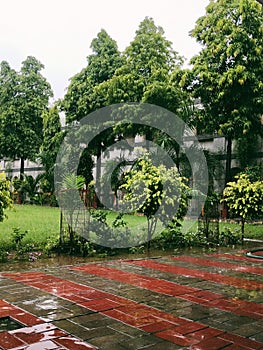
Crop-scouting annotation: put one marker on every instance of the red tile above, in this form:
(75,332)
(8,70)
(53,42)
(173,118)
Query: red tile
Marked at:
(138,312)
(130,320)
(236,257)
(205,333)
(238,340)
(140,322)
(33,337)
(173,289)
(220,264)
(207,295)
(9,341)
(74,298)
(133,306)
(3,303)
(224,304)
(100,304)
(26,318)
(72,343)
(157,327)
(236,347)
(7,311)
(211,344)
(117,315)
(92,294)
(195,295)
(195,299)
(214,277)
(121,300)
(171,318)
(175,337)
(249,313)
(189,327)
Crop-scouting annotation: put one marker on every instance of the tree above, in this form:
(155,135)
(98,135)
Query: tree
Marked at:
(156,192)
(102,63)
(79,100)
(69,202)
(146,71)
(149,74)
(244,199)
(52,138)
(30,187)
(5,196)
(25,96)
(247,148)
(85,166)
(227,73)
(8,92)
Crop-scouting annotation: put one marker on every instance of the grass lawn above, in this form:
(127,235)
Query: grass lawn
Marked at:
(42,222)
(251,230)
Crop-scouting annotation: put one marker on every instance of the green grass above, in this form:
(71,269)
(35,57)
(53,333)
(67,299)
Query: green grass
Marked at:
(40,222)
(251,230)
(132,220)
(43,222)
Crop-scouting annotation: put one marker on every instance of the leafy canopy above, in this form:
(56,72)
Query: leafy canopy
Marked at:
(244,198)
(101,65)
(155,191)
(227,74)
(24,96)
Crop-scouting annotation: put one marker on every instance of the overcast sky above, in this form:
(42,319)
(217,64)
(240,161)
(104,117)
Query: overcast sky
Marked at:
(59,32)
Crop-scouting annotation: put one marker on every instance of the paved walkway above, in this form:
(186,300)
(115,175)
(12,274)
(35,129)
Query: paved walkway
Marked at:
(182,302)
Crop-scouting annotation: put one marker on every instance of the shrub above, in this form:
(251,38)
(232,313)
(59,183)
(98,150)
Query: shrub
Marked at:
(5,195)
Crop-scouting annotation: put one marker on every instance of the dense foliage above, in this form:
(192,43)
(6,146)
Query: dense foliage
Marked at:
(156,192)
(5,195)
(24,96)
(227,73)
(244,198)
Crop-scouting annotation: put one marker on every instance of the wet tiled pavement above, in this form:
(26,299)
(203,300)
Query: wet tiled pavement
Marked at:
(197,302)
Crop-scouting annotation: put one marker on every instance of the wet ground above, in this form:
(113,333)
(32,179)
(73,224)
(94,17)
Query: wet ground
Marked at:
(192,301)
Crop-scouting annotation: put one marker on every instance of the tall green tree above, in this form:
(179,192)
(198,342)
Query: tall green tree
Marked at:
(101,65)
(149,74)
(24,97)
(227,74)
(145,75)
(79,99)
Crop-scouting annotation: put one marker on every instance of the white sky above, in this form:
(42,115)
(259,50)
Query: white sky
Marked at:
(59,32)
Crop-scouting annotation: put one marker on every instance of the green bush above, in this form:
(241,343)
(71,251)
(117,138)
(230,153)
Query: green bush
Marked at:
(230,237)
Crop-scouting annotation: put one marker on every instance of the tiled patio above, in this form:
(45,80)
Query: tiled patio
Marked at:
(193,302)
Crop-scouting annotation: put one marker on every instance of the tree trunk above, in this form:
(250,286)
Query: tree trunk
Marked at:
(242,230)
(22,168)
(98,175)
(228,160)
(151,224)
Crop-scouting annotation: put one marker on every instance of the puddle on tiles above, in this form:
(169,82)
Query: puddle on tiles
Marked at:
(64,260)
(8,324)
(43,303)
